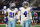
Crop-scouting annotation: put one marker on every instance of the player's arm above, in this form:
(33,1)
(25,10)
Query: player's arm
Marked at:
(18,17)
(2,11)
(30,13)
(31,17)
(18,14)
(6,14)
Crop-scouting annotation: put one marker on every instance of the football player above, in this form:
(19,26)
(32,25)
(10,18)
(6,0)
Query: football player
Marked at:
(35,18)
(11,13)
(4,12)
(25,13)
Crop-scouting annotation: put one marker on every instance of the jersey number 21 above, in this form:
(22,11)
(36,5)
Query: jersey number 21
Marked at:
(11,15)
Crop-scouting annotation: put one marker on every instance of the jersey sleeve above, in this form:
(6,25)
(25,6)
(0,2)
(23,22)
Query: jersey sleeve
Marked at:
(16,9)
(7,9)
(30,8)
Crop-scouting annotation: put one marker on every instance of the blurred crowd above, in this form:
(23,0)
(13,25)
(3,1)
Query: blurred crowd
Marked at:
(18,3)
(7,3)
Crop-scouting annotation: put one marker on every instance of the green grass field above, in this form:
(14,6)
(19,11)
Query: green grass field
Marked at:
(5,25)
(20,26)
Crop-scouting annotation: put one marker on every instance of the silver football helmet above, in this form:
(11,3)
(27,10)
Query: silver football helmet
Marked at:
(25,4)
(4,7)
(12,5)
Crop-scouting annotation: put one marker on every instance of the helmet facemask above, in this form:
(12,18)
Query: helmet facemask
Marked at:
(25,5)
(12,8)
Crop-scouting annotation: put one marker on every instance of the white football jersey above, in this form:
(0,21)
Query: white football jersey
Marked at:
(11,14)
(25,13)
(4,11)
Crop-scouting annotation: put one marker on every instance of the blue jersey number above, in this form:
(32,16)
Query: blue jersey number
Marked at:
(25,13)
(11,15)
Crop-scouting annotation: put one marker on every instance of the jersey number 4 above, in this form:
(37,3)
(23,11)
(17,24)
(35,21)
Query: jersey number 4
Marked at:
(11,15)
(25,13)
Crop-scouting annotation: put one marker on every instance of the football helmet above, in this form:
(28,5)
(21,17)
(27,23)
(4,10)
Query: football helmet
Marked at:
(4,7)
(12,6)
(25,4)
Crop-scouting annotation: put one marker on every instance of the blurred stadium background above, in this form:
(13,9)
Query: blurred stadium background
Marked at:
(35,4)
